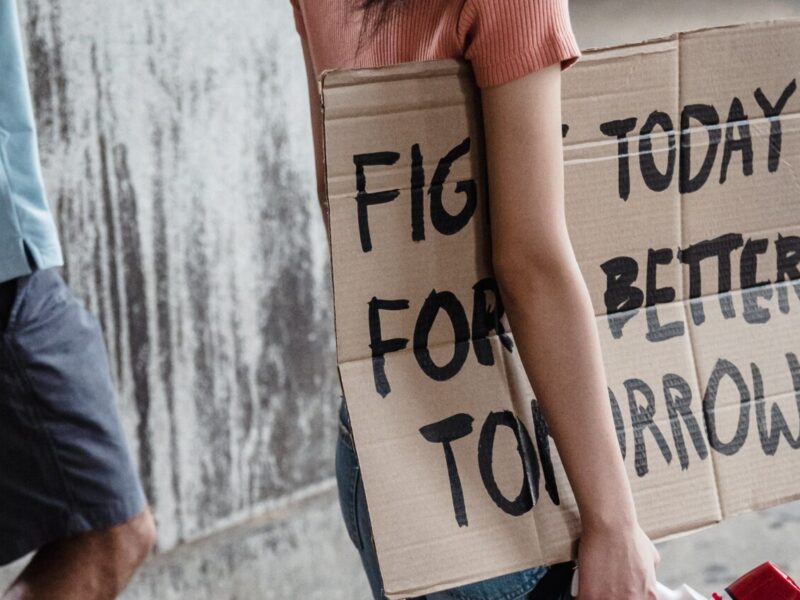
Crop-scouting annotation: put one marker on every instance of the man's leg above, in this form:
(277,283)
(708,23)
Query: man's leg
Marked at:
(91,566)
(68,485)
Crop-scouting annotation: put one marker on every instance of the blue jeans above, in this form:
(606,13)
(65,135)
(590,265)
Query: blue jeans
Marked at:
(523,585)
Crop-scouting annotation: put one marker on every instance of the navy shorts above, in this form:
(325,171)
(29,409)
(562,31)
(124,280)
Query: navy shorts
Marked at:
(64,465)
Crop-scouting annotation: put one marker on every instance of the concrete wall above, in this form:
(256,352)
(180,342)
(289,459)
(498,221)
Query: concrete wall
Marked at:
(176,149)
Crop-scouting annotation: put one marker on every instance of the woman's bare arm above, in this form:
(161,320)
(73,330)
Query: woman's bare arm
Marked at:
(551,315)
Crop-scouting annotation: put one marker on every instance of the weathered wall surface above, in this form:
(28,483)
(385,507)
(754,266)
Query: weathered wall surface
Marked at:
(176,148)
(176,151)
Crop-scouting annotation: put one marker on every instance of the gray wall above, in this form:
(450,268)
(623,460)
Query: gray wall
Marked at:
(175,146)
(176,149)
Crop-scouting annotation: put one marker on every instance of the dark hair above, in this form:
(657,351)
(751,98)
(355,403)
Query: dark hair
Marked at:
(378,10)
(376,13)
(383,5)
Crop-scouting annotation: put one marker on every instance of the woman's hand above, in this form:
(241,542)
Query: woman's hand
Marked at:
(617,563)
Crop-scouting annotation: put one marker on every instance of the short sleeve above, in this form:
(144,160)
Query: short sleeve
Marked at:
(298,18)
(507,39)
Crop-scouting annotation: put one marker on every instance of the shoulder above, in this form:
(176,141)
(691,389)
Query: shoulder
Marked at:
(506,40)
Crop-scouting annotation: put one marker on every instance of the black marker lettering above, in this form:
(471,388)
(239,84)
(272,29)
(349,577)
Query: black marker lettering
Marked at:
(770,436)
(417,194)
(721,369)
(678,395)
(653,178)
(707,115)
(788,251)
(641,418)
(486,319)
(378,345)
(620,129)
(721,248)
(435,302)
(772,113)
(737,119)
(366,199)
(530,466)
(443,221)
(619,424)
(542,433)
(656,332)
(446,432)
(752,290)
(621,295)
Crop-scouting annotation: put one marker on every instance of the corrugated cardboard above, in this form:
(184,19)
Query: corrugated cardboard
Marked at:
(694,274)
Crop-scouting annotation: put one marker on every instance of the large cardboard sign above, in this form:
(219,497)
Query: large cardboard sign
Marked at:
(682,163)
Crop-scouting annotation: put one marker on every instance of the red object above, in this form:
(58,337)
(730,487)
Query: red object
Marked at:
(765,582)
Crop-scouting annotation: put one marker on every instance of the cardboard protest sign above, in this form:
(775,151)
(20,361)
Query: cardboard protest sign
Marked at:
(682,159)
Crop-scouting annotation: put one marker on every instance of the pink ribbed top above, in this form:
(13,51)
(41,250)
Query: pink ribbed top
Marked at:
(503,39)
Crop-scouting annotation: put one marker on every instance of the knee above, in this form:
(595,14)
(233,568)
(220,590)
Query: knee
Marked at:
(127,546)
(137,537)
(100,562)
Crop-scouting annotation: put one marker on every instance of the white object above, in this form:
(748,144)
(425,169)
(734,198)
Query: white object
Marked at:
(664,593)
(682,593)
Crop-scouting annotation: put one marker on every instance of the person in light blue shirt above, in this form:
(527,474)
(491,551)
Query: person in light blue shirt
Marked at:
(28,237)
(69,490)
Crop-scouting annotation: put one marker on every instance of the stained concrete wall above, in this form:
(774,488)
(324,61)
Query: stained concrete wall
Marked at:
(174,141)
(176,150)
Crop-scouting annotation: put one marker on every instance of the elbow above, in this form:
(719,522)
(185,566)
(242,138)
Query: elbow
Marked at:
(527,269)
(514,276)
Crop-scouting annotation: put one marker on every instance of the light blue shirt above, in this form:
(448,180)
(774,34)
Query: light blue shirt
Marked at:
(28,235)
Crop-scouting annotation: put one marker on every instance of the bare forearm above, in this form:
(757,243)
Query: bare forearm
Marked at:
(551,315)
(553,323)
